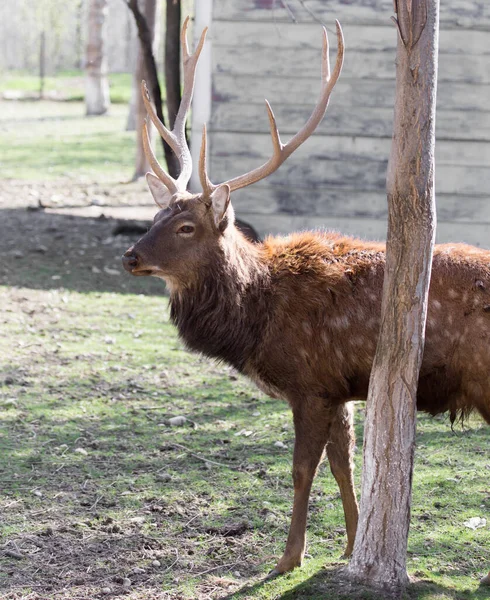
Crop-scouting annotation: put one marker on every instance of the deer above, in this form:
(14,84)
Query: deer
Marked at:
(299,314)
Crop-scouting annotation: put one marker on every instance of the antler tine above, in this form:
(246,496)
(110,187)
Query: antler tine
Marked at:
(325,57)
(282,151)
(207,185)
(155,165)
(189,63)
(176,138)
(166,134)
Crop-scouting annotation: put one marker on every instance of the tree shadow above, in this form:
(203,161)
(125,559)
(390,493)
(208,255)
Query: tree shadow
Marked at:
(330,583)
(47,251)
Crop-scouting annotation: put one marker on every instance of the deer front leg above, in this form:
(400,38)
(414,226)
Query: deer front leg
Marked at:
(340,453)
(311,427)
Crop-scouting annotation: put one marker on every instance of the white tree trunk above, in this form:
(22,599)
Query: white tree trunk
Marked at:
(97,99)
(379,557)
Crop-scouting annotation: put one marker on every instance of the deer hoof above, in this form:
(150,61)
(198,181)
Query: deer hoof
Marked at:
(272,574)
(287,563)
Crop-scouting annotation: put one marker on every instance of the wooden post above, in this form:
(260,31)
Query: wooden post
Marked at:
(379,557)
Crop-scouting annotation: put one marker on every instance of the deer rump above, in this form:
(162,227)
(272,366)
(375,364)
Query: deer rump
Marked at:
(300,315)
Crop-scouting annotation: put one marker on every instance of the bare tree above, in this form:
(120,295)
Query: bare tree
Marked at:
(42,62)
(78,35)
(150,66)
(137,111)
(172,59)
(379,557)
(97,99)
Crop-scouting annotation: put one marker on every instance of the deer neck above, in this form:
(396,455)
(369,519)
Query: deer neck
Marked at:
(222,312)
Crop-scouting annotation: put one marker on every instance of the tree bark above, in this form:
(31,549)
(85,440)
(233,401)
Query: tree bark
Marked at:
(97,99)
(172,59)
(78,36)
(173,166)
(137,112)
(379,557)
(42,63)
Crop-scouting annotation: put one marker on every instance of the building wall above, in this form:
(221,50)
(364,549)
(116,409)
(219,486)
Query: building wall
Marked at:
(337,179)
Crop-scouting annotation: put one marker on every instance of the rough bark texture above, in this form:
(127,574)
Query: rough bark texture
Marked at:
(172,59)
(137,112)
(173,167)
(97,98)
(379,556)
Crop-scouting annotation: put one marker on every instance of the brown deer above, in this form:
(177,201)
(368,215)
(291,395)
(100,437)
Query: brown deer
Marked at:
(300,314)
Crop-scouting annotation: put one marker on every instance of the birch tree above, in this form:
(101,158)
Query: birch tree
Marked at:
(379,557)
(97,98)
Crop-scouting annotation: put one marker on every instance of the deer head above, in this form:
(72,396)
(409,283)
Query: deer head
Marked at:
(190,228)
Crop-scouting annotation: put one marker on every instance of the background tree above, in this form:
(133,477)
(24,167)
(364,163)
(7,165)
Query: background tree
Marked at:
(79,35)
(172,58)
(150,66)
(150,10)
(379,556)
(97,99)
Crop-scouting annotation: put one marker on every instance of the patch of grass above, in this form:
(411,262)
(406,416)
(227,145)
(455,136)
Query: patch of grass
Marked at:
(54,139)
(93,476)
(66,85)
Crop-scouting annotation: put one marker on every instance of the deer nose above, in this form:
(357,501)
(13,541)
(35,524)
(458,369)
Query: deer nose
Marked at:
(130,260)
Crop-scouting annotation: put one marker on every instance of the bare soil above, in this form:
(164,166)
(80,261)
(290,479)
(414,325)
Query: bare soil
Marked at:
(72,235)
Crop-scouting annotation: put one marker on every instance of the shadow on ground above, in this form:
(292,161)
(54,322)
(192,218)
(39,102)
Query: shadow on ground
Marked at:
(331,584)
(48,251)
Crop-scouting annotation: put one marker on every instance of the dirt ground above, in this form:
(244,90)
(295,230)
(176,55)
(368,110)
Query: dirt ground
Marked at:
(77,232)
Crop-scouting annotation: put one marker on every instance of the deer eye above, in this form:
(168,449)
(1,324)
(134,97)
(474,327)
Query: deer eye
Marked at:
(186,229)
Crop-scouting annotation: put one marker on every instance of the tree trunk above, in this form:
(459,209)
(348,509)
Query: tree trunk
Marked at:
(97,98)
(172,59)
(379,557)
(78,36)
(137,112)
(173,166)
(42,63)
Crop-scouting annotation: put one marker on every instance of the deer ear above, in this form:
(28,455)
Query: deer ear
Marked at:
(158,190)
(220,200)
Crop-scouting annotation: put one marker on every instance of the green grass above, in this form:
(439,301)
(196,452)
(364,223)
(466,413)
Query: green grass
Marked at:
(103,372)
(67,85)
(49,140)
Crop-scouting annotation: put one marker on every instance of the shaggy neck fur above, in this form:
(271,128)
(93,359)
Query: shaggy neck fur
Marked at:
(223,313)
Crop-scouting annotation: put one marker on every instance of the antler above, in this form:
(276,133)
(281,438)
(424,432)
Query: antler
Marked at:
(176,138)
(282,151)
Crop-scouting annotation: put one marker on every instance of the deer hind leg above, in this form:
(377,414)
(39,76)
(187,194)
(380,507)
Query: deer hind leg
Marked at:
(312,425)
(340,453)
